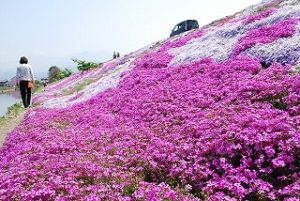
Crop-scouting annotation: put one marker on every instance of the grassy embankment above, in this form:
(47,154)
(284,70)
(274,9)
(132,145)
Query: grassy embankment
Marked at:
(13,117)
(9,121)
(6,89)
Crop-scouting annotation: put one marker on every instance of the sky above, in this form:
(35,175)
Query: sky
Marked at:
(53,32)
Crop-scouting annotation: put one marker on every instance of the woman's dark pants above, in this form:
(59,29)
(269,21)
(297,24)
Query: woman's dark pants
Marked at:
(25,93)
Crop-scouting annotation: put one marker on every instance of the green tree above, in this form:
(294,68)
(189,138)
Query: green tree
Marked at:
(84,65)
(56,73)
(53,73)
(63,74)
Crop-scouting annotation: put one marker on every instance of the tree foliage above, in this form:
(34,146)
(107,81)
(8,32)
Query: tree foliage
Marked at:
(56,73)
(53,73)
(63,74)
(83,65)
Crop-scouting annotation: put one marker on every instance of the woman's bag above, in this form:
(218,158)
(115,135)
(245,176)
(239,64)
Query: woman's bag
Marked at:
(30,85)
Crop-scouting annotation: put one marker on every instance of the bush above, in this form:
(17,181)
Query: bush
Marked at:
(84,65)
(64,74)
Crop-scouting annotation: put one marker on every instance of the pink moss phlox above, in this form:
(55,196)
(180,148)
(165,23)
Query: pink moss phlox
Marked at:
(258,16)
(161,58)
(203,130)
(266,34)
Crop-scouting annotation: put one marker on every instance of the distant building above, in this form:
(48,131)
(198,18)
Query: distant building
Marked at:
(4,83)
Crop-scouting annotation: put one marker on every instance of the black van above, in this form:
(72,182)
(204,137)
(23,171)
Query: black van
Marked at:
(184,26)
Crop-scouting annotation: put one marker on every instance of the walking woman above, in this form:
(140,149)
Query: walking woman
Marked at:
(25,80)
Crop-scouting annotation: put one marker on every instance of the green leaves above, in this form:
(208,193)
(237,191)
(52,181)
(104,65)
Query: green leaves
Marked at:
(63,74)
(84,65)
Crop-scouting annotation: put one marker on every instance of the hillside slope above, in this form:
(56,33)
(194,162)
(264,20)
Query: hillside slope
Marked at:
(212,114)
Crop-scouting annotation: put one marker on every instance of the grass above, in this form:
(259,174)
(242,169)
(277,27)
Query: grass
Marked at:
(297,69)
(38,89)
(9,121)
(13,117)
(16,109)
(83,84)
(12,111)
(78,87)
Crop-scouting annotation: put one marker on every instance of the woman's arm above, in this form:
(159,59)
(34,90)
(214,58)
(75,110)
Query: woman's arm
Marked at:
(31,74)
(18,76)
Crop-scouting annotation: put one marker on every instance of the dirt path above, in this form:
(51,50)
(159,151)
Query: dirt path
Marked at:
(8,123)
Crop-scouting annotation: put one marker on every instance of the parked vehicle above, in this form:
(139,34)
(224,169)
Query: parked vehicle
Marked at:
(184,26)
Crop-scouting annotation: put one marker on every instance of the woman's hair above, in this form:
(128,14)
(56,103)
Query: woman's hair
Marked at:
(23,60)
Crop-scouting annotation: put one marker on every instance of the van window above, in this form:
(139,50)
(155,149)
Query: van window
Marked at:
(180,26)
(184,26)
(175,28)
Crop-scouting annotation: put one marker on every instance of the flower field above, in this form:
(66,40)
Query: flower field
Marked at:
(212,114)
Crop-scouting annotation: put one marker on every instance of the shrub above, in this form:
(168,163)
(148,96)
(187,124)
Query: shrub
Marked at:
(83,65)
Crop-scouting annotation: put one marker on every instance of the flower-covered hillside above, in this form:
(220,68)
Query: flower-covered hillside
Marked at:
(212,114)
